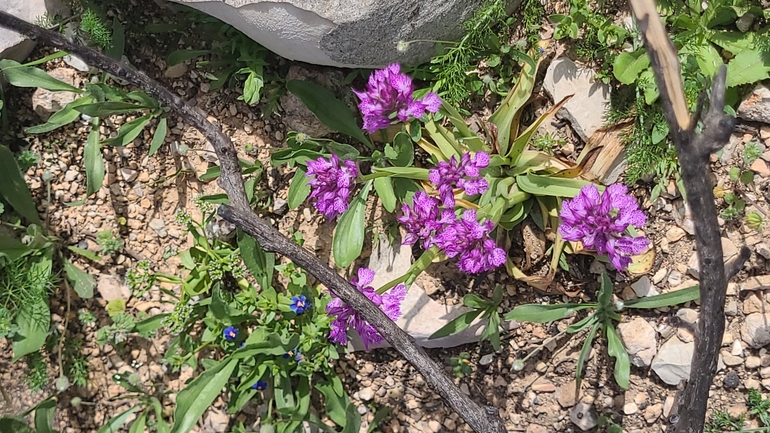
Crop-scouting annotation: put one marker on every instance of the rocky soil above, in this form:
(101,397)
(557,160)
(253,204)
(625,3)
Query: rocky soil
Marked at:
(141,194)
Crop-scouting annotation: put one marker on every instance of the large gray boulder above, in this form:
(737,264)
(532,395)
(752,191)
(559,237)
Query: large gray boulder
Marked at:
(345,33)
(13,45)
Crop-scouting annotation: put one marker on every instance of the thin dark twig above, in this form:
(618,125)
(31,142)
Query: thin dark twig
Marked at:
(693,150)
(481,419)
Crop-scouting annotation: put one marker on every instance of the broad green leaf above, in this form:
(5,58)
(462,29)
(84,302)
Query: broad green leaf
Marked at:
(330,111)
(582,324)
(12,248)
(584,351)
(150,324)
(160,134)
(299,189)
(749,66)
(545,313)
(342,150)
(616,350)
(539,185)
(457,324)
(27,76)
(492,331)
(709,60)
(353,420)
(108,108)
(14,425)
(13,188)
(605,291)
(628,66)
(474,301)
(384,188)
(253,85)
(65,116)
(193,401)
(381,414)
(401,153)
(515,101)
(44,412)
(415,173)
(518,145)
(115,424)
(283,395)
(139,425)
(334,402)
(180,56)
(446,142)
(129,131)
(118,40)
(666,299)
(467,137)
(351,230)
(92,158)
(82,282)
(260,263)
(34,319)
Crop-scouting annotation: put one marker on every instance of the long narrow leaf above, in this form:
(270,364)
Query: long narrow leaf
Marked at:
(457,324)
(521,141)
(349,236)
(545,313)
(515,101)
(92,158)
(27,76)
(14,189)
(616,350)
(584,351)
(115,423)
(160,134)
(193,401)
(666,299)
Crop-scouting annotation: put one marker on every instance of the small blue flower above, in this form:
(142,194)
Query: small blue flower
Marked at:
(230,333)
(299,304)
(261,385)
(293,353)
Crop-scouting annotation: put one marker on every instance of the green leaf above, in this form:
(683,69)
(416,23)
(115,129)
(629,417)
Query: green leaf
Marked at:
(118,40)
(14,425)
(401,153)
(545,313)
(107,108)
(65,116)
(34,319)
(492,331)
(115,423)
(584,351)
(160,134)
(180,56)
(474,301)
(139,425)
(260,264)
(13,188)
(467,137)
(384,188)
(150,324)
(92,158)
(129,131)
(457,324)
(299,189)
(351,229)
(503,118)
(193,401)
(628,66)
(659,132)
(253,85)
(747,67)
(539,185)
(27,76)
(415,173)
(582,324)
(82,282)
(616,350)
(330,111)
(666,299)
(44,412)
(353,419)
(12,248)
(335,399)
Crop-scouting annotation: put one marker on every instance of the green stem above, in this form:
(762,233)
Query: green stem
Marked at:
(393,283)
(373,176)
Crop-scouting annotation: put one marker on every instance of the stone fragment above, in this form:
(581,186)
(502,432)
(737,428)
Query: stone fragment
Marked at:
(112,287)
(732,380)
(71,175)
(14,45)
(159,227)
(760,167)
(347,33)
(45,102)
(630,408)
(659,276)
(585,110)
(216,421)
(653,412)
(128,175)
(672,363)
(566,394)
(643,287)
(756,330)
(297,116)
(761,282)
(542,385)
(366,394)
(756,106)
(674,234)
(640,340)
(753,362)
(731,360)
(583,416)
(728,252)
(687,315)
(176,71)
(737,348)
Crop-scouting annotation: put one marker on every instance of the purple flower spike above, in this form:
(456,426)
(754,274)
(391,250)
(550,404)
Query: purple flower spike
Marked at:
(424,219)
(331,185)
(469,239)
(389,303)
(389,93)
(598,221)
(464,174)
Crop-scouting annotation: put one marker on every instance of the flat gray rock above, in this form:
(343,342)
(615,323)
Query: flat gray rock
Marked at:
(13,45)
(756,330)
(585,111)
(640,341)
(756,106)
(672,364)
(345,33)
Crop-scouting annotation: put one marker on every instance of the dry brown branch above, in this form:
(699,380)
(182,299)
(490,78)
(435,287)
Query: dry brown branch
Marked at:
(481,419)
(693,150)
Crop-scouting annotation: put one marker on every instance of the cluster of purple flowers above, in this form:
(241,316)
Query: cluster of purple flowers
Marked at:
(599,222)
(331,184)
(388,95)
(347,317)
(433,222)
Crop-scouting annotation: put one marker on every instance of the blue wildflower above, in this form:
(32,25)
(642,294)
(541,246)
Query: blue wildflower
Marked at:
(261,385)
(299,304)
(230,333)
